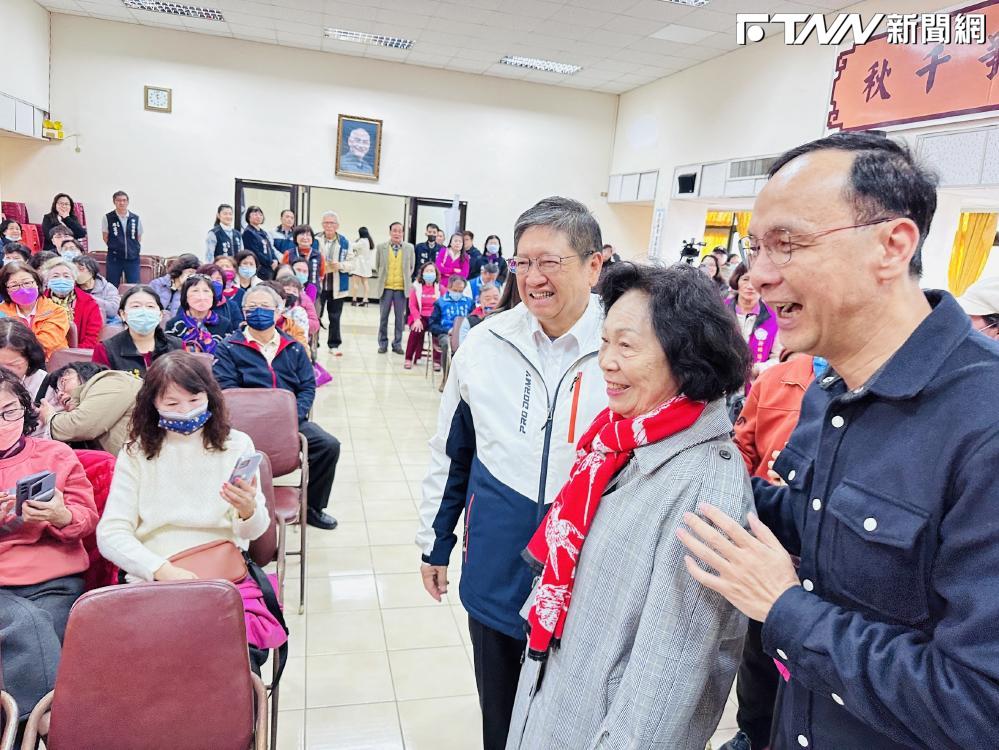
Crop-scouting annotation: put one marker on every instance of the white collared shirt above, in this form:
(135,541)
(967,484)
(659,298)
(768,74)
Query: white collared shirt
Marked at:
(557,356)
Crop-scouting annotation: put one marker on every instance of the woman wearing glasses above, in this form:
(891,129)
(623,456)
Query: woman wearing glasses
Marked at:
(20,290)
(756,321)
(42,558)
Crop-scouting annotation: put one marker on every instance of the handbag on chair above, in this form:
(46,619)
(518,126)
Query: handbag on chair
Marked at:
(217,559)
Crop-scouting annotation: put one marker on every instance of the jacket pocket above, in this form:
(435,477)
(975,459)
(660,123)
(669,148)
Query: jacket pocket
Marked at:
(794,468)
(878,552)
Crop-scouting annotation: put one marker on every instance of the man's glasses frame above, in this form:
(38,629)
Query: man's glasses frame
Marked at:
(779,244)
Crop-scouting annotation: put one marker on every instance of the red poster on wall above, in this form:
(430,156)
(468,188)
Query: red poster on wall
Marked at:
(884,83)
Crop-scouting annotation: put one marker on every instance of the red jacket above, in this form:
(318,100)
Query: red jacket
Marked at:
(771,412)
(38,552)
(88,318)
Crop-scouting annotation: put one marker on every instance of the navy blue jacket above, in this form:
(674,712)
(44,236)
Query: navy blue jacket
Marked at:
(892,502)
(258,242)
(240,364)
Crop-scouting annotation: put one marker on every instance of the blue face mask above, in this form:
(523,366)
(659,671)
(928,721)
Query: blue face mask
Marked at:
(819,366)
(260,318)
(302,277)
(185,424)
(72,254)
(246,272)
(62,287)
(429,278)
(455,296)
(217,288)
(142,321)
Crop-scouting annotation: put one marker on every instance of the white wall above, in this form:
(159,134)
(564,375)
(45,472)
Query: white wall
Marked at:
(264,112)
(24,72)
(760,99)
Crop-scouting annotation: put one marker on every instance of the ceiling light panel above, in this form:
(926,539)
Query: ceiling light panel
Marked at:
(362,37)
(175,9)
(534,63)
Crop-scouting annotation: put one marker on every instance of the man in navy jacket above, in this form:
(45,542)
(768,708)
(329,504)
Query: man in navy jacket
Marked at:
(889,627)
(263,357)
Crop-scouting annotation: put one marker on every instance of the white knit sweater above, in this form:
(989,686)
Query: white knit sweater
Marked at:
(158,508)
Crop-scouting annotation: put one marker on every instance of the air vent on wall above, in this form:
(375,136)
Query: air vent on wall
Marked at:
(750,168)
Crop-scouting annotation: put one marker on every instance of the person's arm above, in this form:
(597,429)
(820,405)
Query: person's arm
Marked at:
(116,538)
(210,243)
(78,497)
(104,228)
(138,230)
(74,225)
(306,392)
(224,368)
(446,483)
(745,429)
(414,303)
(103,407)
(868,663)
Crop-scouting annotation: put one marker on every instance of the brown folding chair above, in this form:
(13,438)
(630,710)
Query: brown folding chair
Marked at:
(73,336)
(108,330)
(154,665)
(263,551)
(62,357)
(124,287)
(270,417)
(8,716)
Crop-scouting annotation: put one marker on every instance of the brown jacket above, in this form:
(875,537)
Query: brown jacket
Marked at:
(103,408)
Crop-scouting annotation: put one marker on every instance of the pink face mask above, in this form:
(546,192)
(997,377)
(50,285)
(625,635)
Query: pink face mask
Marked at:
(24,296)
(10,433)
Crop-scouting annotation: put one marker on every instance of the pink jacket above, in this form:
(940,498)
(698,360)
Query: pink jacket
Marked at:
(429,295)
(448,266)
(310,309)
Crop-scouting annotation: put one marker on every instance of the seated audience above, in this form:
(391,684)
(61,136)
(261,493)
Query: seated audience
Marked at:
(57,237)
(168,286)
(42,558)
(262,357)
(246,270)
(199,324)
(659,451)
(97,406)
(300,270)
(70,250)
(40,258)
(143,341)
(61,215)
(10,231)
(223,239)
(16,251)
(489,299)
(423,295)
(20,287)
(293,286)
(21,353)
(293,320)
(60,280)
(488,275)
(447,309)
(257,240)
(105,294)
(229,312)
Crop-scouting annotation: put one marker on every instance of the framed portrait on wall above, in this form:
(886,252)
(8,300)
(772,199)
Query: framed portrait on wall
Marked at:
(358,147)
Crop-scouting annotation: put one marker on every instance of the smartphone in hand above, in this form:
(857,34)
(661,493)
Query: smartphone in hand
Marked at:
(246,467)
(38,488)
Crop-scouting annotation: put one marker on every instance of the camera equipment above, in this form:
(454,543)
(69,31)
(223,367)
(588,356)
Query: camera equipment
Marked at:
(690,252)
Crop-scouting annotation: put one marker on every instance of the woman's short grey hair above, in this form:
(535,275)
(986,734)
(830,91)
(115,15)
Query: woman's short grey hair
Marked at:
(331,215)
(562,215)
(53,262)
(262,289)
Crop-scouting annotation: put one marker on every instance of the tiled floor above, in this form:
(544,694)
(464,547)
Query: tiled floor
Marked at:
(375,663)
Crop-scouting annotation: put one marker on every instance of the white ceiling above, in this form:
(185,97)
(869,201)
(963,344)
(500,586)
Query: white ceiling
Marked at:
(618,43)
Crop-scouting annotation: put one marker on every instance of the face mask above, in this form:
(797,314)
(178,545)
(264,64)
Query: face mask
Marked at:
(487,310)
(71,254)
(217,288)
(819,366)
(260,318)
(185,424)
(142,321)
(492,248)
(246,272)
(62,287)
(302,277)
(25,296)
(291,300)
(455,296)
(228,276)
(429,278)
(10,433)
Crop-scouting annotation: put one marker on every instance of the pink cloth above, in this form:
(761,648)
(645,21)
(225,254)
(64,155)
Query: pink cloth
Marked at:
(310,309)
(448,266)
(421,302)
(262,628)
(783,671)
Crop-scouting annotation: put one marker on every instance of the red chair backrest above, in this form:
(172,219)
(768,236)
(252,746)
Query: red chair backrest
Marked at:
(31,237)
(62,357)
(16,211)
(108,330)
(263,549)
(81,215)
(73,337)
(270,417)
(99,467)
(157,666)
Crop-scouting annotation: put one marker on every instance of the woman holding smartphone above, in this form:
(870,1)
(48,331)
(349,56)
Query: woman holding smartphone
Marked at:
(42,559)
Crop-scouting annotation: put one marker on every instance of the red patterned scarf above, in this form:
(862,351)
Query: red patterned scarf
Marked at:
(602,452)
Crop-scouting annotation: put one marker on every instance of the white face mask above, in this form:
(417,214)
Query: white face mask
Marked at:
(197,411)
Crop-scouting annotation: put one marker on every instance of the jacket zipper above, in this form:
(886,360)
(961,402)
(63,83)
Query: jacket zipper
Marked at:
(574,389)
(468,523)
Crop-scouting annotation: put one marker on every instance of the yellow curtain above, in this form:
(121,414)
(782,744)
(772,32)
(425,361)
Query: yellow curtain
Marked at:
(716,230)
(742,222)
(972,243)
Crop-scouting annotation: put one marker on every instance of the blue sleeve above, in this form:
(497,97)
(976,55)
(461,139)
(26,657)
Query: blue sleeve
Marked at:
(774,508)
(224,368)
(306,393)
(460,448)
(937,689)
(436,317)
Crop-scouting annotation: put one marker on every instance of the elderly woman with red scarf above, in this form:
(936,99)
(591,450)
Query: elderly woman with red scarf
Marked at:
(625,648)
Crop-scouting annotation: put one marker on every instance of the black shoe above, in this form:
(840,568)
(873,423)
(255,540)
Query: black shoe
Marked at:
(397,350)
(382,349)
(739,742)
(319,519)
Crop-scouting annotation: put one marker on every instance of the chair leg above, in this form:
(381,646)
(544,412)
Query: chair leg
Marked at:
(282,557)
(301,568)
(275,690)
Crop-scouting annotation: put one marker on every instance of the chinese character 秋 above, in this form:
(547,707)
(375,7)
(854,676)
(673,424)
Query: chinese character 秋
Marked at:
(930,69)
(936,28)
(991,58)
(875,81)
(969,28)
(901,28)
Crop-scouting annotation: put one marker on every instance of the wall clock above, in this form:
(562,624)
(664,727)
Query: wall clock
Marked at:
(158,99)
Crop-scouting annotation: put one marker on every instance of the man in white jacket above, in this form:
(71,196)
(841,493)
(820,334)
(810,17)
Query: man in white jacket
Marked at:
(504,445)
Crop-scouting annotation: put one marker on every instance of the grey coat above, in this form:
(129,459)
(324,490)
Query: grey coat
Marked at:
(648,655)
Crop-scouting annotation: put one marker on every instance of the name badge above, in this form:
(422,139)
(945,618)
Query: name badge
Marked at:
(760,334)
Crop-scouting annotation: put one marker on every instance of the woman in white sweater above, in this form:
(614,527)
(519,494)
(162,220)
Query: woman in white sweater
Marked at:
(171,490)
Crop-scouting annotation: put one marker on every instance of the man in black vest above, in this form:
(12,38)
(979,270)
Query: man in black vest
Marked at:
(426,252)
(122,232)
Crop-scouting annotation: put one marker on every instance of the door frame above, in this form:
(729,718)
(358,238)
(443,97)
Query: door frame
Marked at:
(415,202)
(241,185)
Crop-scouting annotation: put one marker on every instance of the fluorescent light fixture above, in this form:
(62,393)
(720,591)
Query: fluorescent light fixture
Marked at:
(175,9)
(534,63)
(691,3)
(362,37)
